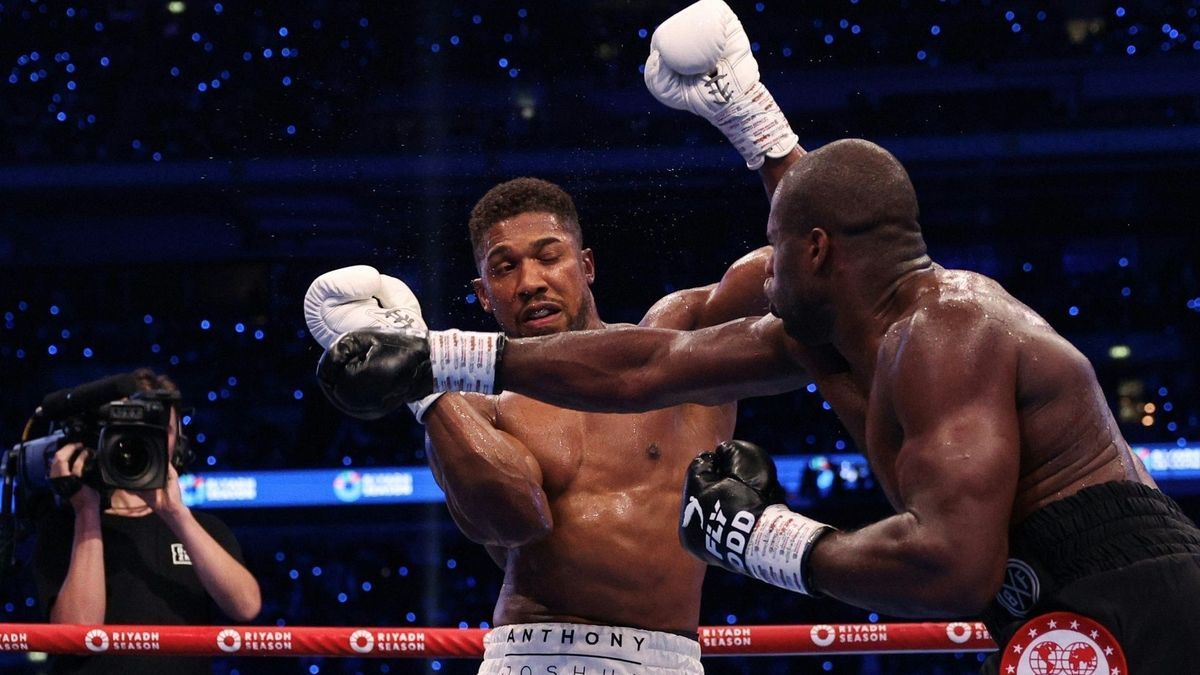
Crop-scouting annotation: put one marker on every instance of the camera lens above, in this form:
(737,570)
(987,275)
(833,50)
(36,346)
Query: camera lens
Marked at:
(129,456)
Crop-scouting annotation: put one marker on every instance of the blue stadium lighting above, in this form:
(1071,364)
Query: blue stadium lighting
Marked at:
(200,438)
(279,556)
(65,334)
(34,56)
(1168,406)
(347,461)
(1120,11)
(363,23)
(22,305)
(231,381)
(13,79)
(342,598)
(454,40)
(33,77)
(522,13)
(410,617)
(210,460)
(20,353)
(1123,262)
(484,624)
(88,353)
(403,571)
(1009,15)
(366,586)
(436,665)
(283,31)
(1041,15)
(787,52)
(1171,426)
(71,12)
(873,617)
(155,348)
(855,29)
(258,334)
(828,39)
(291,131)
(286,80)
(196,37)
(451,563)
(730,619)
(52,350)
(203,86)
(1073,310)
(246,56)
(314,669)
(840,444)
(1162,391)
(212,396)
(174,71)
(435,48)
(503,62)
(463,625)
(1016,28)
(316,570)
(297,394)
(1131,50)
(1181,442)
(61,117)
(174,360)
(513,72)
(642,33)
(844,24)
(1126,292)
(205,324)
(9,607)
(935,30)
(267,53)
(218,8)
(921,55)
(759,7)
(215,84)
(508,37)
(70,85)
(316,24)
(1166,28)
(54,310)
(825,405)
(477,19)
(29,602)
(285,52)
(754,46)
(239,327)
(187,419)
(811,388)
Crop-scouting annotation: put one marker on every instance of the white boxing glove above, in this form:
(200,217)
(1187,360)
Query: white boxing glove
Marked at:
(700,61)
(357,297)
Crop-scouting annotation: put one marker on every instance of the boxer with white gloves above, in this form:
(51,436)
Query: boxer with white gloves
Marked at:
(359,297)
(701,61)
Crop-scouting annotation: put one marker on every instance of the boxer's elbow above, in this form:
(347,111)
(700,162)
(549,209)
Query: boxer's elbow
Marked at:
(950,583)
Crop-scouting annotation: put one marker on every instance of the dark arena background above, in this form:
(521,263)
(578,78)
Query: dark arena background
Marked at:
(174,174)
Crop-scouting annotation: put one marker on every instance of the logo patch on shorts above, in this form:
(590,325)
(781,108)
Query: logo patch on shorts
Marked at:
(1021,588)
(1063,643)
(179,555)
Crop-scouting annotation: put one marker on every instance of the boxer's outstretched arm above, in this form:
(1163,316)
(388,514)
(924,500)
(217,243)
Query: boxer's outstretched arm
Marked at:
(636,369)
(954,396)
(739,294)
(493,484)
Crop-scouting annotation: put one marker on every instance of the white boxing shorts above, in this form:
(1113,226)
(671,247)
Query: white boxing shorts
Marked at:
(583,649)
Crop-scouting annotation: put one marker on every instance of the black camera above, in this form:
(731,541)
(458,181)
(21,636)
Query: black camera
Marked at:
(129,436)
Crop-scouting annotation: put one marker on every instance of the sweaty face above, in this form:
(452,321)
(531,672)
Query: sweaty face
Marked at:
(535,279)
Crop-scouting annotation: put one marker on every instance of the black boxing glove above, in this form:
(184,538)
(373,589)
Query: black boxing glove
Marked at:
(734,517)
(368,373)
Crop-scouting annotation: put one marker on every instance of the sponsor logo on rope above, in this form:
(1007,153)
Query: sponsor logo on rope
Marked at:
(726,637)
(961,633)
(365,641)
(229,640)
(1063,643)
(14,642)
(362,641)
(96,640)
(1021,588)
(824,635)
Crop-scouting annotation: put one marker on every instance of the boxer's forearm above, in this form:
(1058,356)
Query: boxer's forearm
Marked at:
(637,369)
(898,567)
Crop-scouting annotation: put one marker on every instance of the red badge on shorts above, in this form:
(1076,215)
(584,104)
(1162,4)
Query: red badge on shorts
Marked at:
(1063,643)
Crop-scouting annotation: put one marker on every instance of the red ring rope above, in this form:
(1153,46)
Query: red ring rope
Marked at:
(380,642)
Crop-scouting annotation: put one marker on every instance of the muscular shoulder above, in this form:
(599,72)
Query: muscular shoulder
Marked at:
(949,331)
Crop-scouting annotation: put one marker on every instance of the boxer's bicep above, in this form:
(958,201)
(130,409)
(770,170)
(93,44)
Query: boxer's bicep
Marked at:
(954,393)
(738,294)
(493,483)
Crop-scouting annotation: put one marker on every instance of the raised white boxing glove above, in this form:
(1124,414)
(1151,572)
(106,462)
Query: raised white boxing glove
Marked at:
(356,297)
(700,61)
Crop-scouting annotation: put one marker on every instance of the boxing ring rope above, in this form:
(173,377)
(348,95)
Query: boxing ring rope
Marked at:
(416,642)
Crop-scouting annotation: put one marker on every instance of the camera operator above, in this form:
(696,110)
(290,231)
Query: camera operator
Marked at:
(137,557)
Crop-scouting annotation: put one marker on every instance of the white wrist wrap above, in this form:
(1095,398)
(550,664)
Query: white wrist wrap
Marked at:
(463,361)
(779,547)
(754,124)
(419,408)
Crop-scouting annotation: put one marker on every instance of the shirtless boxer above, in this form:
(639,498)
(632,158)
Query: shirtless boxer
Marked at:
(1016,496)
(579,509)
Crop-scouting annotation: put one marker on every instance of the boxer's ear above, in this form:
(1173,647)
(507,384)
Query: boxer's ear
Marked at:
(481,294)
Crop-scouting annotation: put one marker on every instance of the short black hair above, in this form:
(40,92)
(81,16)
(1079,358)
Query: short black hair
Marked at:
(517,196)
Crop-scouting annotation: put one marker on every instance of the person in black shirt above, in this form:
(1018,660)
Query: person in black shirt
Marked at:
(116,563)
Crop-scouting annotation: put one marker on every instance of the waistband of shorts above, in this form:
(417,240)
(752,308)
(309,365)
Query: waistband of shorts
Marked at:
(655,648)
(1104,527)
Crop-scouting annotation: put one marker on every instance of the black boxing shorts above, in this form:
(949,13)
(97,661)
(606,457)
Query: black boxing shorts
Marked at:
(1104,582)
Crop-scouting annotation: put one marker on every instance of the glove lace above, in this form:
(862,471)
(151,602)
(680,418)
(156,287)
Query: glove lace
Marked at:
(719,87)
